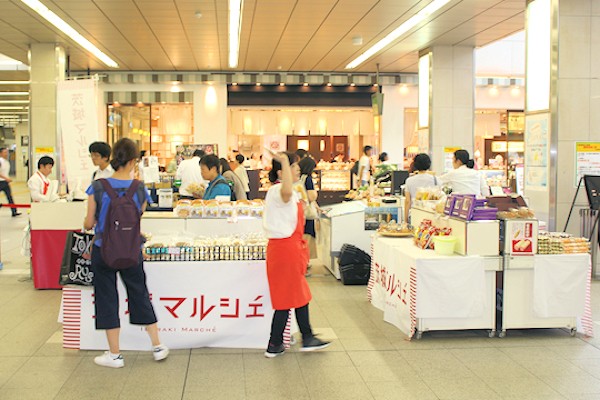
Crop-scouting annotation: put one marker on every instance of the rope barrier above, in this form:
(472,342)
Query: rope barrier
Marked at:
(15,205)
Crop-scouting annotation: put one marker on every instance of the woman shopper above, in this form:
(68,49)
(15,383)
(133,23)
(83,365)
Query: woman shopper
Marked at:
(463,178)
(287,256)
(124,158)
(308,191)
(238,187)
(420,179)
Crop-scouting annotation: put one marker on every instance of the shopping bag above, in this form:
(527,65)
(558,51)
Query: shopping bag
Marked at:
(76,266)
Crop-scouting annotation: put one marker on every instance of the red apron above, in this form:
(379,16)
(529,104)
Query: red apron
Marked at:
(287,260)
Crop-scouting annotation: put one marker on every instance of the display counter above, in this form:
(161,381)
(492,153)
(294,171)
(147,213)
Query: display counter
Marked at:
(167,221)
(420,291)
(198,304)
(50,223)
(547,291)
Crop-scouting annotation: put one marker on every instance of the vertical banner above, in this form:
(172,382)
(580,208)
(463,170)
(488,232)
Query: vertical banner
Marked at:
(537,151)
(78,123)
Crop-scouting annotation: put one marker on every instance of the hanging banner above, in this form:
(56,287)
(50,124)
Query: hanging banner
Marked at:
(537,151)
(77,107)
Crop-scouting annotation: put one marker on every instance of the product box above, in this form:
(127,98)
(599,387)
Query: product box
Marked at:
(520,236)
(449,207)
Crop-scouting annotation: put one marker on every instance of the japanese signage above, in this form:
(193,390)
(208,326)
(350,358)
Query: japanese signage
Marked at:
(78,119)
(204,304)
(537,151)
(587,159)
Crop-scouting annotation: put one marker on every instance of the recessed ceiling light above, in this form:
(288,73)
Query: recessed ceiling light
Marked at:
(353,84)
(67,29)
(305,84)
(281,83)
(198,14)
(399,31)
(329,84)
(233,83)
(258,83)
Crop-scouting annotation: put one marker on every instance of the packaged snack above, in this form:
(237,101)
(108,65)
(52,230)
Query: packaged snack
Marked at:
(183,208)
(211,209)
(243,208)
(225,209)
(197,209)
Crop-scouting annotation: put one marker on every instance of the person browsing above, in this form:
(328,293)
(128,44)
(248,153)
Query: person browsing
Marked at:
(189,172)
(241,172)
(420,179)
(228,174)
(218,186)
(5,179)
(287,256)
(463,178)
(39,184)
(364,166)
(100,155)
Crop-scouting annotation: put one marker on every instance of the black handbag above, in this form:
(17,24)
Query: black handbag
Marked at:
(76,265)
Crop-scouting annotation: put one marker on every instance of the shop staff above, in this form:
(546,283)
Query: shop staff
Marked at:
(420,179)
(241,172)
(218,186)
(287,256)
(100,155)
(5,180)
(39,184)
(463,178)
(364,166)
(189,172)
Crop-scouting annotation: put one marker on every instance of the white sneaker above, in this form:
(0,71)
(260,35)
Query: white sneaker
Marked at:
(106,360)
(160,352)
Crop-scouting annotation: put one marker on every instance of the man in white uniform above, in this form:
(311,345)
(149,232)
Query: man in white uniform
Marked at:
(189,172)
(364,166)
(5,179)
(39,184)
(100,155)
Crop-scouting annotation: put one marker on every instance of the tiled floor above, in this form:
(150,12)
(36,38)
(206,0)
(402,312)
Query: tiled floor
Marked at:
(369,359)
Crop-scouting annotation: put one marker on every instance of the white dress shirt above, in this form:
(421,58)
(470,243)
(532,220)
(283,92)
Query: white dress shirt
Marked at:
(365,163)
(241,173)
(104,173)
(280,219)
(466,180)
(39,188)
(189,172)
(4,168)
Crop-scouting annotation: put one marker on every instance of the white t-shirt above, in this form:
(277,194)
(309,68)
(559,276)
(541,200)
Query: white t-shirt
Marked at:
(466,180)
(4,168)
(419,181)
(104,173)
(365,162)
(241,172)
(189,172)
(280,219)
(36,187)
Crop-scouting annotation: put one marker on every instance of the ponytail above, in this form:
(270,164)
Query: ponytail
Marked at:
(470,163)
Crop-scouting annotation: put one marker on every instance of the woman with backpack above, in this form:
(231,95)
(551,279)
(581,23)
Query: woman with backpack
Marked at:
(110,257)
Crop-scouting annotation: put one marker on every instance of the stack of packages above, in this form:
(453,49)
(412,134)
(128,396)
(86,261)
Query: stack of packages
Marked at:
(426,232)
(561,243)
(469,208)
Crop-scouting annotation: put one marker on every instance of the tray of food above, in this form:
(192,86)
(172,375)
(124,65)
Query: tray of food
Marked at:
(393,229)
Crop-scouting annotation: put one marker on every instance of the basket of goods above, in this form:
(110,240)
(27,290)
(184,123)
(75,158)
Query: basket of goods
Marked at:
(393,229)
(517,213)
(183,208)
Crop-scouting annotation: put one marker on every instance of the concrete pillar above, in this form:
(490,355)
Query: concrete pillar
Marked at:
(47,68)
(451,101)
(210,116)
(396,99)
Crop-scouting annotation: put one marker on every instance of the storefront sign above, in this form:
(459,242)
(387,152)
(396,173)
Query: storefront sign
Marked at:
(77,109)
(537,151)
(198,304)
(587,159)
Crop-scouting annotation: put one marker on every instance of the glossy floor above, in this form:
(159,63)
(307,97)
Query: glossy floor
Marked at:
(369,359)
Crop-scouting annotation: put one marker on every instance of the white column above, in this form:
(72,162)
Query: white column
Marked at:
(395,100)
(210,116)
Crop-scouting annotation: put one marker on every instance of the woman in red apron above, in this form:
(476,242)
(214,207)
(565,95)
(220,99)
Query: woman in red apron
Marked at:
(287,256)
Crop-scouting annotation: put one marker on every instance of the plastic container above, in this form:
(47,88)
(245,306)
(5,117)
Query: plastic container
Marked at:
(444,245)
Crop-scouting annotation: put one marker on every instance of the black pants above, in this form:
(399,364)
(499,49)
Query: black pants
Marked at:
(5,187)
(280,318)
(106,296)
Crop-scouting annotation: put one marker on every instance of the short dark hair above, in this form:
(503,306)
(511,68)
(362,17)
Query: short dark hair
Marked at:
(240,158)
(301,153)
(422,162)
(211,161)
(224,165)
(142,153)
(199,153)
(382,156)
(123,151)
(367,148)
(101,148)
(45,161)
(3,148)
(464,158)
(277,167)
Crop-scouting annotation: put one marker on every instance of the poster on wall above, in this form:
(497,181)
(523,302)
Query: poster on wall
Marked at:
(275,143)
(184,151)
(77,108)
(449,157)
(587,160)
(537,151)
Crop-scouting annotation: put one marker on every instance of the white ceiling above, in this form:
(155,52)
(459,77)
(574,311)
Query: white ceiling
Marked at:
(277,35)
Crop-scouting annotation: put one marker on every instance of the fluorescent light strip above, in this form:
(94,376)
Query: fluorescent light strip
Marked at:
(14,82)
(399,31)
(67,29)
(235,29)
(14,93)
(14,101)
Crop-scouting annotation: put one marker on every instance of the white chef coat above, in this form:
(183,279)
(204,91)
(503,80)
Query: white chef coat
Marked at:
(241,172)
(189,172)
(104,173)
(4,168)
(280,218)
(365,162)
(466,180)
(39,187)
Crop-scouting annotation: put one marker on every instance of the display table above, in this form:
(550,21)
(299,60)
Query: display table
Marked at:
(420,291)
(50,223)
(547,291)
(198,304)
(166,221)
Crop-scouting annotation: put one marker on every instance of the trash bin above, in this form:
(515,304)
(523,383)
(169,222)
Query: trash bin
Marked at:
(587,220)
